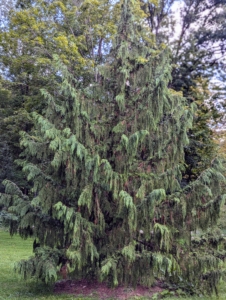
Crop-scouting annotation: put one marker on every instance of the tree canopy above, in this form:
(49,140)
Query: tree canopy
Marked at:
(106,153)
(195,32)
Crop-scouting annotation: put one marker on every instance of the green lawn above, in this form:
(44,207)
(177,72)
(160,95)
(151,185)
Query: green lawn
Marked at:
(13,249)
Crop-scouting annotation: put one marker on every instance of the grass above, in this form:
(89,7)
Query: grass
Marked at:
(13,249)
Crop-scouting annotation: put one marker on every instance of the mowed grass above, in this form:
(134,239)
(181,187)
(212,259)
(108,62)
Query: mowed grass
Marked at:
(13,249)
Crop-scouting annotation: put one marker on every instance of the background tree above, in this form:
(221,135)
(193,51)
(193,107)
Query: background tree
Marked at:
(9,132)
(195,32)
(105,163)
(31,33)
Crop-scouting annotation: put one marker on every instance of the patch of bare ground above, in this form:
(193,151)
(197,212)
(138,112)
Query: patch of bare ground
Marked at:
(102,291)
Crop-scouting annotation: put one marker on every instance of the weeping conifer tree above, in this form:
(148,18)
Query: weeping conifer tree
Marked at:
(105,162)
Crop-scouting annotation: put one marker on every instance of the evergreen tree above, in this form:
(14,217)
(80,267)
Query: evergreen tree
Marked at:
(198,52)
(9,138)
(105,162)
(31,33)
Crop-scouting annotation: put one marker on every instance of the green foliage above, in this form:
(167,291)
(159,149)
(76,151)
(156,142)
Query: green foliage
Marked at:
(13,249)
(105,164)
(9,128)
(43,266)
(30,34)
(198,51)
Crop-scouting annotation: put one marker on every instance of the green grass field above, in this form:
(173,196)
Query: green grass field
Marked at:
(13,249)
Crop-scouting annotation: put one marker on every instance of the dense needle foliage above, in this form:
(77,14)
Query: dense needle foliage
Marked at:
(105,162)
